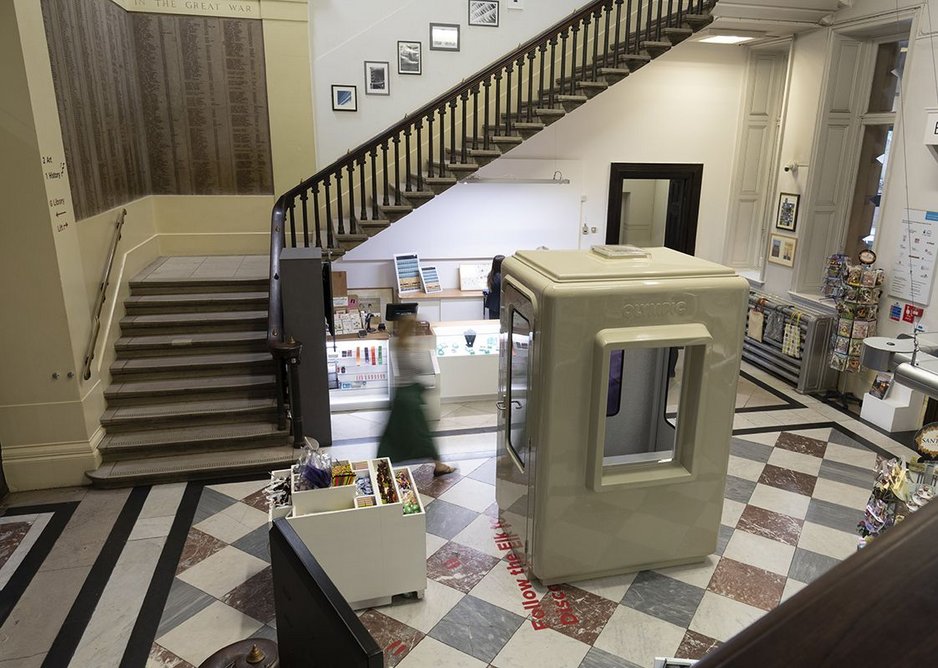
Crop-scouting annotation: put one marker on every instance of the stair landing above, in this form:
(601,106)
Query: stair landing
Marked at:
(201,267)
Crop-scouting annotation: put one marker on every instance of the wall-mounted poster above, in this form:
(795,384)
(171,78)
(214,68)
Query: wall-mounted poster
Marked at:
(787,212)
(444,37)
(473,276)
(782,250)
(409,58)
(430,279)
(407,269)
(376,78)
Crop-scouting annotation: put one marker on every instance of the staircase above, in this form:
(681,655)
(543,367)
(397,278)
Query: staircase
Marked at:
(193,389)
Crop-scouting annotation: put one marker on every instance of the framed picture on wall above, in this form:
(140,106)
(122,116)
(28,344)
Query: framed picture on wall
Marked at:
(787,212)
(409,58)
(444,37)
(344,98)
(376,78)
(483,13)
(782,250)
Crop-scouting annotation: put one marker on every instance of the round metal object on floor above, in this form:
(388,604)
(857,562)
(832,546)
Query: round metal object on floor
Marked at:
(250,653)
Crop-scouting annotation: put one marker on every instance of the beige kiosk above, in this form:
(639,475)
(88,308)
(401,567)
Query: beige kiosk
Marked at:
(617,384)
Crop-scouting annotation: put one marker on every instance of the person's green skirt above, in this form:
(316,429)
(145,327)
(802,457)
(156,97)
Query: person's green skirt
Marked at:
(407,434)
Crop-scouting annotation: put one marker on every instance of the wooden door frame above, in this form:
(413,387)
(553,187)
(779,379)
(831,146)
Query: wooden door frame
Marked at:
(685,239)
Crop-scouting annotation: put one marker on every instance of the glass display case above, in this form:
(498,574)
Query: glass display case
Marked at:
(358,372)
(467,355)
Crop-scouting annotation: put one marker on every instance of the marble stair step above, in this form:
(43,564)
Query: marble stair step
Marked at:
(189,365)
(205,465)
(188,413)
(153,391)
(165,286)
(170,323)
(181,303)
(190,344)
(190,439)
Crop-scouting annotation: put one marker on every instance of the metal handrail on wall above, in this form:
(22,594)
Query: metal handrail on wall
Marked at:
(446,136)
(102,295)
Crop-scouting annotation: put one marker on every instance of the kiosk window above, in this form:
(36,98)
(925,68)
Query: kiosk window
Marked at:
(642,405)
(519,340)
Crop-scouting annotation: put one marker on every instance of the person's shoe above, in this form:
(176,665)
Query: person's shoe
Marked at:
(443,469)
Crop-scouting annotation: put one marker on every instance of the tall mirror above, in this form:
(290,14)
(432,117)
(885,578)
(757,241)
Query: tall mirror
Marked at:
(654,204)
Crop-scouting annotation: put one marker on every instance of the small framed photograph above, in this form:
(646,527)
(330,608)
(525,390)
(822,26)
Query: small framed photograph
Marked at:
(444,37)
(409,58)
(782,250)
(376,77)
(483,13)
(344,98)
(787,212)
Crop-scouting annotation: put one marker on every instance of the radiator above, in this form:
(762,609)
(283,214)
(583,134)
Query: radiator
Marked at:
(809,374)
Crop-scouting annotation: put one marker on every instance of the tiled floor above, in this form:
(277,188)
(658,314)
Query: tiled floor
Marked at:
(164,576)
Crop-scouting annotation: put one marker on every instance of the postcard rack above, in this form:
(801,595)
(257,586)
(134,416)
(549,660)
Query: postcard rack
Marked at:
(811,372)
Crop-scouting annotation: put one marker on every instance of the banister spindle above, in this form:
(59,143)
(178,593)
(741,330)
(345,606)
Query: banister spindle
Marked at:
(292,206)
(520,63)
(374,183)
(352,227)
(464,144)
(303,197)
(498,99)
(638,26)
(670,13)
(316,219)
(430,145)
(658,24)
(608,17)
(648,23)
(615,43)
(397,170)
(576,29)
(485,121)
(408,186)
(586,39)
(540,79)
(511,67)
(551,79)
(361,187)
(384,174)
(442,111)
(596,16)
(531,82)
(419,155)
(328,198)
(475,117)
(680,13)
(338,200)
(452,130)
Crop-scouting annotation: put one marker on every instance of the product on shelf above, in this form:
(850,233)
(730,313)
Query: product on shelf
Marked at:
(411,504)
(363,483)
(278,492)
(403,480)
(385,481)
(342,474)
(364,501)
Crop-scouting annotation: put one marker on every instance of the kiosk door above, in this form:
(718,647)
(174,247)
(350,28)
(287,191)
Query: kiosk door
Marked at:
(516,450)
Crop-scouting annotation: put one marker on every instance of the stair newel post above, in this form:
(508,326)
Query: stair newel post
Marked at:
(361,187)
(419,155)
(465,99)
(338,200)
(352,227)
(408,186)
(551,79)
(288,354)
(430,145)
(618,33)
(475,117)
(397,170)
(452,131)
(520,63)
(280,367)
(442,164)
(576,29)
(531,56)
(384,172)
(328,199)
(509,70)
(374,183)
(485,125)
(596,16)
(303,197)
(290,208)
(498,99)
(316,221)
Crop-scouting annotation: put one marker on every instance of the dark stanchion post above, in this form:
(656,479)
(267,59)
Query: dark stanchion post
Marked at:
(288,355)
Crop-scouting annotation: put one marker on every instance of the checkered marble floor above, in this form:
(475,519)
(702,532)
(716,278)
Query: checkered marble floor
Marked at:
(793,498)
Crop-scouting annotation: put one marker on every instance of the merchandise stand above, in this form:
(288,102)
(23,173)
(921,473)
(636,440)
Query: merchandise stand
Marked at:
(370,552)
(358,372)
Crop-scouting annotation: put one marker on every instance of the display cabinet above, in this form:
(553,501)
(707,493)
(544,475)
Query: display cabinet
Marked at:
(359,369)
(372,546)
(467,355)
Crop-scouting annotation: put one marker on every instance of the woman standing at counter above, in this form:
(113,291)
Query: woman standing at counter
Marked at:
(493,294)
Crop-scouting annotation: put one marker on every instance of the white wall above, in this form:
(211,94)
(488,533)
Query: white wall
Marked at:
(345,34)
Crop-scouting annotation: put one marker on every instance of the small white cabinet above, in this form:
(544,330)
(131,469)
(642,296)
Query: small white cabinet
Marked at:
(370,552)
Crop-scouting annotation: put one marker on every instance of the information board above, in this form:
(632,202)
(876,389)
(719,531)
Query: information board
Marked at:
(916,251)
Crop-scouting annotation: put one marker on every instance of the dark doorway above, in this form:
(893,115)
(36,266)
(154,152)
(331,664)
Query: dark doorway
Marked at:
(671,191)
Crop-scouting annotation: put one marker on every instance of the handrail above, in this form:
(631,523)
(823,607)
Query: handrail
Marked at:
(102,294)
(274,307)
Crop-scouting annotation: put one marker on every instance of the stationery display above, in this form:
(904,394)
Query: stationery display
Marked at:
(857,299)
(430,279)
(407,270)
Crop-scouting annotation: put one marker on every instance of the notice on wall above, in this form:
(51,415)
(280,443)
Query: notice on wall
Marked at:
(916,251)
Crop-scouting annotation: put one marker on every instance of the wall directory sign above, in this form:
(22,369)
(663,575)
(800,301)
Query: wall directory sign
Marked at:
(916,249)
(407,269)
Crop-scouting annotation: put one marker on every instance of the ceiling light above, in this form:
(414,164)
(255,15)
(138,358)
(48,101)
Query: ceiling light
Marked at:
(727,39)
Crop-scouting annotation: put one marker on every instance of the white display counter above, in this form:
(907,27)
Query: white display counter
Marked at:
(370,552)
(446,305)
(359,372)
(467,372)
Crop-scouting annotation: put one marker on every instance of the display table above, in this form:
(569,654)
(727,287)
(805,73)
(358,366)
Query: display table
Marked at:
(467,372)
(446,305)
(370,552)
(358,372)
